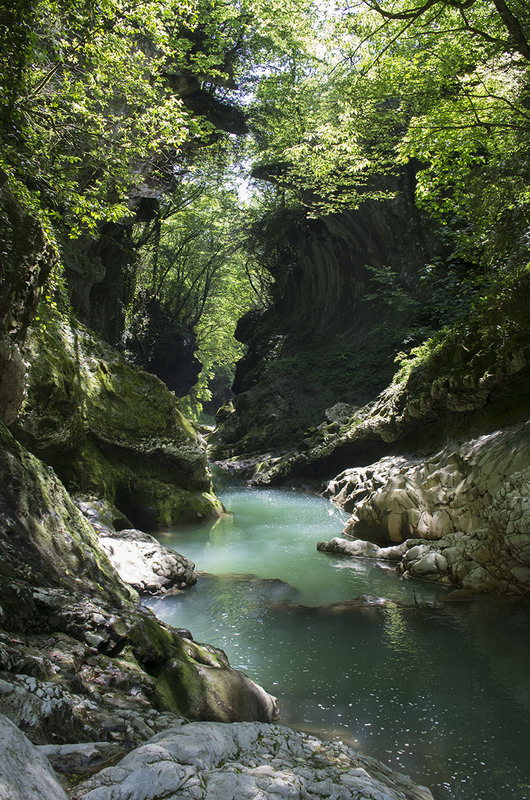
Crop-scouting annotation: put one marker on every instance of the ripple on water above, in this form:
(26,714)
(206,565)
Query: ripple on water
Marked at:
(439,693)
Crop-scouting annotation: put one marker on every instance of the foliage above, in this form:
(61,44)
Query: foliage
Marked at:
(95,113)
(93,95)
(442,84)
(498,324)
(193,266)
(88,105)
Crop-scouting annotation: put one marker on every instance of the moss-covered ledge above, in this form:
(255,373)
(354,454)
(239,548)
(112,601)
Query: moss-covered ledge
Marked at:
(111,430)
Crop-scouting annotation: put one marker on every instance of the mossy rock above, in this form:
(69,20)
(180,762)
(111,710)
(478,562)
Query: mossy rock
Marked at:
(196,680)
(113,430)
(44,539)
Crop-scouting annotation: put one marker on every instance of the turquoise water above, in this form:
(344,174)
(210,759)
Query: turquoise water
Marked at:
(440,693)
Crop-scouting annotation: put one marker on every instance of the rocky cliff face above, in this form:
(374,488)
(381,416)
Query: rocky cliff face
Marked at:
(111,430)
(473,382)
(435,471)
(328,339)
(26,260)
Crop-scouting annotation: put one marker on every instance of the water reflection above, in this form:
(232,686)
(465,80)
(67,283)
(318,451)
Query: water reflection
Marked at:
(438,692)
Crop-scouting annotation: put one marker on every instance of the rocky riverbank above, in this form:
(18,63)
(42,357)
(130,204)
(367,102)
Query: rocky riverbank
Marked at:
(201,761)
(95,685)
(460,517)
(111,430)
(436,469)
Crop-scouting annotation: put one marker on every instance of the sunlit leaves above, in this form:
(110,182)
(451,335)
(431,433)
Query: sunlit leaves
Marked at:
(444,84)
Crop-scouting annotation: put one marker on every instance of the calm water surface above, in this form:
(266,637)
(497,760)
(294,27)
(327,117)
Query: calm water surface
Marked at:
(439,693)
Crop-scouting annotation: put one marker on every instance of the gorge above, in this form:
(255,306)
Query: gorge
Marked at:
(312,223)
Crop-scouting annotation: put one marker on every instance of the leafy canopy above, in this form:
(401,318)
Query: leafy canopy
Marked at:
(93,94)
(445,84)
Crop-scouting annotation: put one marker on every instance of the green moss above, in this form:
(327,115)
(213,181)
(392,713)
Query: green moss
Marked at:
(496,332)
(43,535)
(112,430)
(178,686)
(180,689)
(151,642)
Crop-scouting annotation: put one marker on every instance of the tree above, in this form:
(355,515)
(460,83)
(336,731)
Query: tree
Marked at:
(96,97)
(444,84)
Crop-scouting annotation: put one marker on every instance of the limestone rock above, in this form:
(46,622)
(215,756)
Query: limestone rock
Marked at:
(461,516)
(38,708)
(320,340)
(139,559)
(142,561)
(102,515)
(361,549)
(115,675)
(341,608)
(341,413)
(81,759)
(25,773)
(203,761)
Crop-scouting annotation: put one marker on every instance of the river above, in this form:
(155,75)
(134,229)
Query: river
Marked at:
(440,693)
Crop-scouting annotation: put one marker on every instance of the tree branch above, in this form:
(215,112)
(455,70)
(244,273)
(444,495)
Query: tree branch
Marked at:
(514,28)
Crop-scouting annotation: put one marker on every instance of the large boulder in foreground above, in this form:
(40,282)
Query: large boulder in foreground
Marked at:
(25,773)
(197,761)
(111,430)
(249,760)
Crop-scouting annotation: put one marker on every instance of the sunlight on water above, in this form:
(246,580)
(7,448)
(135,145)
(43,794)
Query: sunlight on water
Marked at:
(440,693)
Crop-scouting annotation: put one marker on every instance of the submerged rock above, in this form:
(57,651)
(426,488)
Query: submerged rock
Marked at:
(273,587)
(248,760)
(339,608)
